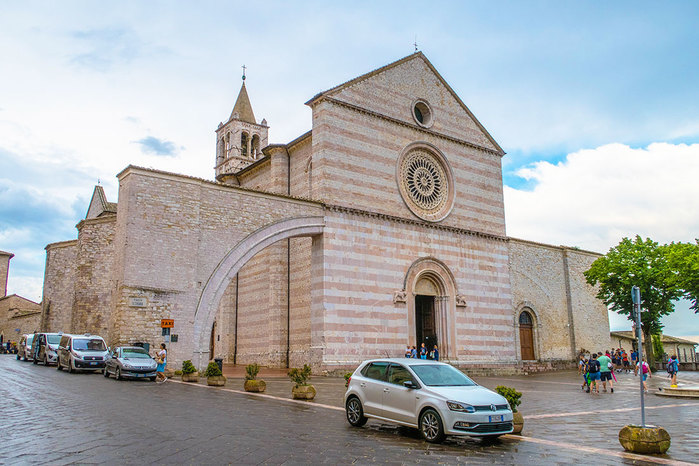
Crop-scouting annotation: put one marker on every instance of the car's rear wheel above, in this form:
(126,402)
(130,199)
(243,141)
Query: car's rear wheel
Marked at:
(431,426)
(355,412)
(117,373)
(58,364)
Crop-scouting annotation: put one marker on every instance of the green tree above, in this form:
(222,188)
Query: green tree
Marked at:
(683,259)
(642,263)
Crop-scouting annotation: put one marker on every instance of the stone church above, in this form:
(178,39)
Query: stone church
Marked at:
(382,226)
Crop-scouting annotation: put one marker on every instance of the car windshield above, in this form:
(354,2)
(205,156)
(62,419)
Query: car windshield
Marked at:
(53,339)
(88,344)
(134,353)
(30,338)
(438,375)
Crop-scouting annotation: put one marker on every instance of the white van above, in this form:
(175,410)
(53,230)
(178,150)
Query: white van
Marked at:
(82,352)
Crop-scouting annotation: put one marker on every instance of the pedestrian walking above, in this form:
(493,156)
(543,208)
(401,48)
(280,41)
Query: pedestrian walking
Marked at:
(606,368)
(645,373)
(593,373)
(584,369)
(634,361)
(413,352)
(161,359)
(435,353)
(673,367)
(423,351)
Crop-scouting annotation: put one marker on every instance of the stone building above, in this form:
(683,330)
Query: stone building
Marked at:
(382,226)
(18,315)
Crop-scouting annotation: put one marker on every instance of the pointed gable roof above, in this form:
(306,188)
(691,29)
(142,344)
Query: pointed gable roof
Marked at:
(417,55)
(243,108)
(99,205)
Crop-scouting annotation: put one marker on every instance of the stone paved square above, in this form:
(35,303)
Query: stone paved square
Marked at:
(59,418)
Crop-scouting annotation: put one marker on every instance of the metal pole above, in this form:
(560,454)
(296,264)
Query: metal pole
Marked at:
(636,298)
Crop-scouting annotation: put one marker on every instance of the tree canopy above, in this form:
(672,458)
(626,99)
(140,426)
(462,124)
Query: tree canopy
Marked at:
(641,263)
(683,259)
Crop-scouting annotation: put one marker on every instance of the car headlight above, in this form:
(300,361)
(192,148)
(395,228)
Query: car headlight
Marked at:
(461,407)
(127,365)
(77,356)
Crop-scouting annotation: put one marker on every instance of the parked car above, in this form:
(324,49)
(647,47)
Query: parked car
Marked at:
(24,347)
(130,362)
(434,397)
(44,346)
(82,352)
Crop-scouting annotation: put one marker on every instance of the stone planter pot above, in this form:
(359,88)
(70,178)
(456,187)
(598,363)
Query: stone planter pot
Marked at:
(193,377)
(216,381)
(517,422)
(649,439)
(257,386)
(303,392)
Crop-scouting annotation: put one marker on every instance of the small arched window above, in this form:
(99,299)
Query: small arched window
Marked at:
(525,318)
(244,144)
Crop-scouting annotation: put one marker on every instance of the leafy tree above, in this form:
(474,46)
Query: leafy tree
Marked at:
(641,263)
(683,259)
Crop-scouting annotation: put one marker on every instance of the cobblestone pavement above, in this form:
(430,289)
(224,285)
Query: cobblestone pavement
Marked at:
(59,418)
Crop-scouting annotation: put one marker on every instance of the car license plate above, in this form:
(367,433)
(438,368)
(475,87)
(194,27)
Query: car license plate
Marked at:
(495,418)
(140,375)
(93,363)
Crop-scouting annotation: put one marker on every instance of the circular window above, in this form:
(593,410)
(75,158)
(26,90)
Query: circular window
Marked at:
(425,183)
(422,113)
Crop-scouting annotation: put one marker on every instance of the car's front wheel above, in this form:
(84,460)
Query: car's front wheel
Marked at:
(355,412)
(117,373)
(105,372)
(431,426)
(58,364)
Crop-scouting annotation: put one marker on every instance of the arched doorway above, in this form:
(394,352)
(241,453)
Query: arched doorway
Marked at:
(212,341)
(425,320)
(526,335)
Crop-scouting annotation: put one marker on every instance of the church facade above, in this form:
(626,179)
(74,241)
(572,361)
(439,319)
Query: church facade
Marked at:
(383,226)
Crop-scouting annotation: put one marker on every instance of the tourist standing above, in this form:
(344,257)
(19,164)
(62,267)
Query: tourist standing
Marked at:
(423,351)
(161,359)
(645,373)
(413,353)
(634,361)
(408,351)
(673,367)
(435,353)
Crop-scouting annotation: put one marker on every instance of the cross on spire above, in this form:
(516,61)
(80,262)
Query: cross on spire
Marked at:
(415,43)
(244,68)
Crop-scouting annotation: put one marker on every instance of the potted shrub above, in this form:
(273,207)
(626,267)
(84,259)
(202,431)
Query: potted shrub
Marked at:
(214,376)
(347,376)
(252,383)
(189,372)
(301,389)
(513,398)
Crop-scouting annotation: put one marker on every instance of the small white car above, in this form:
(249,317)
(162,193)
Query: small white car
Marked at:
(432,396)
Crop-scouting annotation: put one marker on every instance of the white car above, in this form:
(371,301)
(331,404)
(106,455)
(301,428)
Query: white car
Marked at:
(434,397)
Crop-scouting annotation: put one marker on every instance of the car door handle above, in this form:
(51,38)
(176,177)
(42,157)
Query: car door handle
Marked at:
(363,384)
(386,390)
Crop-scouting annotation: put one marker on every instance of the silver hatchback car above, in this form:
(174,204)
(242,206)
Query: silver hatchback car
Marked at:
(434,397)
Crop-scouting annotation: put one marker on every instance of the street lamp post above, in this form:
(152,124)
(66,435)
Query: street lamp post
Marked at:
(636,298)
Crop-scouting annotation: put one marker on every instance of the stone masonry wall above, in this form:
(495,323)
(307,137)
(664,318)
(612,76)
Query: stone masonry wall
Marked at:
(18,316)
(367,259)
(93,282)
(59,286)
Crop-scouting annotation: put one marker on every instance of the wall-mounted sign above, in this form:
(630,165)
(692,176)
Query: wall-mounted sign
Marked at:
(167,323)
(138,302)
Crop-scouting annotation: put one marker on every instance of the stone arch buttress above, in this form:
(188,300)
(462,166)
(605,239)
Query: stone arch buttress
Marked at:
(233,261)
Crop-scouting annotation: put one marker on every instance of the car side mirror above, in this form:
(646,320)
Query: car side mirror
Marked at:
(409,384)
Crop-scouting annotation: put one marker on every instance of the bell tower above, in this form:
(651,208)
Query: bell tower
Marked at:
(240,140)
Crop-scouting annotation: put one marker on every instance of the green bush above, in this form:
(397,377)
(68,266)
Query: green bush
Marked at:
(188,367)
(178,372)
(511,395)
(212,370)
(347,378)
(300,376)
(251,371)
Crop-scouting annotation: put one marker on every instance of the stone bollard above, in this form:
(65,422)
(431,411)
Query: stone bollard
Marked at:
(649,439)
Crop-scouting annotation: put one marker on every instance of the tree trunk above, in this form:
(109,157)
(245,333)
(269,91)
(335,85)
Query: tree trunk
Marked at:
(648,349)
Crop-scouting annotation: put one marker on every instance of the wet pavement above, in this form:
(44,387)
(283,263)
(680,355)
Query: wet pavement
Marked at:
(59,418)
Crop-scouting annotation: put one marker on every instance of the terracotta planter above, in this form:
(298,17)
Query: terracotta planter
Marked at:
(216,381)
(517,422)
(649,439)
(256,385)
(303,392)
(193,377)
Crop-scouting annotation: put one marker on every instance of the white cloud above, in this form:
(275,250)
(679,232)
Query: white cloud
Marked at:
(595,197)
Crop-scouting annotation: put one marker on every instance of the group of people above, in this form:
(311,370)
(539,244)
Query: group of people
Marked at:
(422,353)
(599,369)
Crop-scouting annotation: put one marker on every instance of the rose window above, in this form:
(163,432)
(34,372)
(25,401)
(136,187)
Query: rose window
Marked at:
(424,184)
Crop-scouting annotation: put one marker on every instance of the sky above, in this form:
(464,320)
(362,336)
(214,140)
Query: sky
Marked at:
(595,103)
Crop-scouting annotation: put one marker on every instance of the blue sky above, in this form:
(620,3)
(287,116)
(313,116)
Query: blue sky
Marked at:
(595,103)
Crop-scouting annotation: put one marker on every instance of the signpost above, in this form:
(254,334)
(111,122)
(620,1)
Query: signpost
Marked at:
(636,298)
